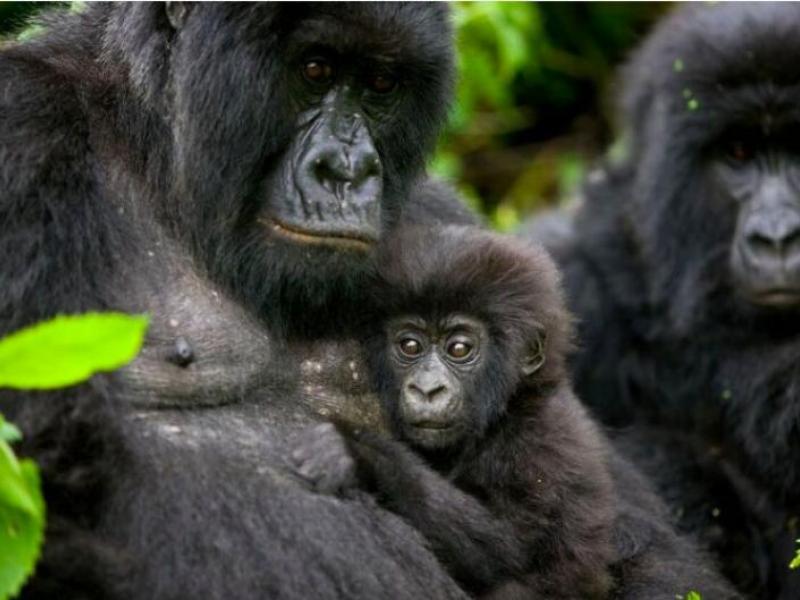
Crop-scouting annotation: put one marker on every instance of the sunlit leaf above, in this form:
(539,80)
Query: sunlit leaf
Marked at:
(69,349)
(22,516)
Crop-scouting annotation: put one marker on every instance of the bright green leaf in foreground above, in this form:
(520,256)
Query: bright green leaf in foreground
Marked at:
(21,518)
(69,349)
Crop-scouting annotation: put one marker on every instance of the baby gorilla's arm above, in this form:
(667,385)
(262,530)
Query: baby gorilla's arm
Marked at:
(478,548)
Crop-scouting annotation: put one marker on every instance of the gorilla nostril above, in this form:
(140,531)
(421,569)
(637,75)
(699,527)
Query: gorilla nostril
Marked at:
(791,242)
(437,393)
(763,245)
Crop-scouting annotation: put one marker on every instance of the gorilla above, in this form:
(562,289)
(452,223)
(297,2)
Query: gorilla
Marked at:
(468,355)
(227,169)
(683,266)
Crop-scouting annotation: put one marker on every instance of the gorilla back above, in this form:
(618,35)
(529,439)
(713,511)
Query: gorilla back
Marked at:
(227,169)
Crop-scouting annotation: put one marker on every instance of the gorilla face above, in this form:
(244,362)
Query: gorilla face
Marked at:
(331,109)
(759,175)
(713,122)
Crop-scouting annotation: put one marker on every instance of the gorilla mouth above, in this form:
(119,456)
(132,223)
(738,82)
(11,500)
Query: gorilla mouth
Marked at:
(352,240)
(777,297)
(436,425)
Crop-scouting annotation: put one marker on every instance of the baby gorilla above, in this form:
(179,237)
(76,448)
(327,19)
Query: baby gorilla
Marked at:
(494,460)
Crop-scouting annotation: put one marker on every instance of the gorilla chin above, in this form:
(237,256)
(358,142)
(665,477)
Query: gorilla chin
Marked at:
(771,283)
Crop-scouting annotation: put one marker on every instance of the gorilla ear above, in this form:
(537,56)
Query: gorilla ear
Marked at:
(534,357)
(177,13)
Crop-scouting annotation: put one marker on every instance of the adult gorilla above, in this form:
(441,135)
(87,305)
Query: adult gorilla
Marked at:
(227,169)
(684,268)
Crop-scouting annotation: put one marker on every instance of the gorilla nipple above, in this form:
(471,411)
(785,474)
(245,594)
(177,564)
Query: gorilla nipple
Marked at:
(182,353)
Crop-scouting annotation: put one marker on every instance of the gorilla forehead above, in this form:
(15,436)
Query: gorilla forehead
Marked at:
(407,32)
(740,56)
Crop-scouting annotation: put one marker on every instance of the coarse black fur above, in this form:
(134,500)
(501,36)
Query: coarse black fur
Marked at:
(531,502)
(137,147)
(703,381)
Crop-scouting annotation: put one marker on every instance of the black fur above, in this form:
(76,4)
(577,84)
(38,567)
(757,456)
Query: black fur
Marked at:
(533,503)
(704,382)
(134,152)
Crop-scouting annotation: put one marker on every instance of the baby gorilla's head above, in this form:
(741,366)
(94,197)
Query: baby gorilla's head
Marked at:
(470,321)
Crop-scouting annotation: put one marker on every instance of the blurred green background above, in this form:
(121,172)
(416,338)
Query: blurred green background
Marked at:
(532,105)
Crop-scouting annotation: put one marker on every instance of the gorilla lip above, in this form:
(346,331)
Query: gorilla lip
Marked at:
(780,298)
(304,236)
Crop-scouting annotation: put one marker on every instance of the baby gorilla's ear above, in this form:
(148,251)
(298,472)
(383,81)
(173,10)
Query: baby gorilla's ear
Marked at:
(533,358)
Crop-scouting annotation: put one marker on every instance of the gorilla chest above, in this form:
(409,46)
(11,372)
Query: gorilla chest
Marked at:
(333,381)
(205,350)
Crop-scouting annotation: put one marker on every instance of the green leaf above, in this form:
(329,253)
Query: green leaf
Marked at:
(22,516)
(8,432)
(69,349)
(795,564)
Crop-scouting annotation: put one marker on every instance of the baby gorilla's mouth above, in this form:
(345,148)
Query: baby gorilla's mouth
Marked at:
(436,425)
(352,240)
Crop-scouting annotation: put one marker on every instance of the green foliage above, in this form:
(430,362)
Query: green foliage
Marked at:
(57,353)
(795,564)
(22,514)
(69,349)
(527,115)
(690,596)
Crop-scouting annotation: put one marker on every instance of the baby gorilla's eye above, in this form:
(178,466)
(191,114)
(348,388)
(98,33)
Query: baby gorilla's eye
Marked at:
(410,347)
(383,83)
(459,350)
(318,71)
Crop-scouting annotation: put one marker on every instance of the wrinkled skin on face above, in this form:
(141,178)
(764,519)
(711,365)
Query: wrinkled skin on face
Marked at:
(757,172)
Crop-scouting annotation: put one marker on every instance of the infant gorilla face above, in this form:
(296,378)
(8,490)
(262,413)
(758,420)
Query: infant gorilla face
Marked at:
(434,363)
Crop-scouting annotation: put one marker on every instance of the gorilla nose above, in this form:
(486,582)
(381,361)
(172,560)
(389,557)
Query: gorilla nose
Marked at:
(433,393)
(774,238)
(349,165)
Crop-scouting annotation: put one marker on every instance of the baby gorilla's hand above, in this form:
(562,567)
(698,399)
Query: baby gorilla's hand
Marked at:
(321,457)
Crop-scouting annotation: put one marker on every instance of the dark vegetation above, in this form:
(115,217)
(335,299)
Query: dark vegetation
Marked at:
(683,267)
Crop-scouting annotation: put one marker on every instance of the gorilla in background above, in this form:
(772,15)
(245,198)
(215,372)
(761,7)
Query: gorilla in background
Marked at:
(226,168)
(683,266)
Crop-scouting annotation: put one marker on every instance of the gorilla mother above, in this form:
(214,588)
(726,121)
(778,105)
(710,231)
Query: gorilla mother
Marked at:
(227,169)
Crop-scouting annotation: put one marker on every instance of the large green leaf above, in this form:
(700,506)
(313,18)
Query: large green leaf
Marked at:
(69,349)
(22,515)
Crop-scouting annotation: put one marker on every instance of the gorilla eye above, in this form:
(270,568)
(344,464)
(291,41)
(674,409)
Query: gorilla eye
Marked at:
(410,347)
(459,350)
(740,151)
(318,71)
(383,84)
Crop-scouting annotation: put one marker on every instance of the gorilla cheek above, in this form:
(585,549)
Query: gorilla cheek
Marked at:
(328,187)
